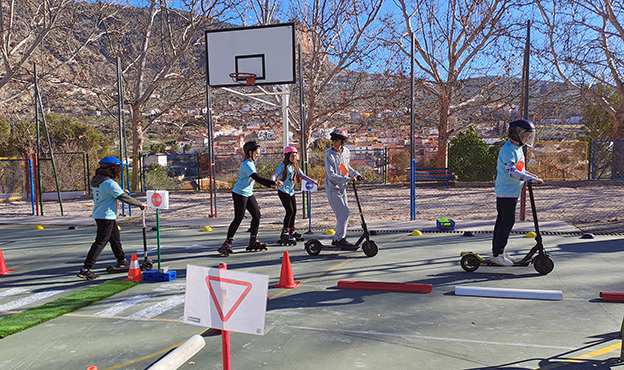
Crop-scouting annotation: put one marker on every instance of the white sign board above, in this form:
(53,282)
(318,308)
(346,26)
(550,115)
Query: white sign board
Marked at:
(308,186)
(226,300)
(157,199)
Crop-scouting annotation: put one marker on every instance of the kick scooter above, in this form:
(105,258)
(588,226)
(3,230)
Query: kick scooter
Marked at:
(147,262)
(314,246)
(541,261)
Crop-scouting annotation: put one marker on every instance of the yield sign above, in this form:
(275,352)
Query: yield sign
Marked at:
(225,299)
(216,301)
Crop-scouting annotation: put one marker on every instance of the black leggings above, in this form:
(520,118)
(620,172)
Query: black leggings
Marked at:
(506,208)
(290,205)
(107,231)
(240,204)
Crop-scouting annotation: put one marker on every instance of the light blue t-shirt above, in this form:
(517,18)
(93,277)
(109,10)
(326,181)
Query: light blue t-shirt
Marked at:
(506,186)
(105,200)
(244,185)
(289,181)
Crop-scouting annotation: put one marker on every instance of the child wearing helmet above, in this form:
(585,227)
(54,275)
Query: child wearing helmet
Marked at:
(338,175)
(510,176)
(289,172)
(244,199)
(106,193)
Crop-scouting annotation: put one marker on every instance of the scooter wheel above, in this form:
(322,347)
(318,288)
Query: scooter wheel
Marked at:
(146,266)
(543,264)
(313,247)
(110,269)
(470,262)
(370,248)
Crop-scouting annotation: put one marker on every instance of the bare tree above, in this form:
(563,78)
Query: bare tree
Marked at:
(585,45)
(161,49)
(456,42)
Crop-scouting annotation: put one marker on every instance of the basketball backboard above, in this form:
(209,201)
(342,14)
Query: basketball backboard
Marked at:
(266,51)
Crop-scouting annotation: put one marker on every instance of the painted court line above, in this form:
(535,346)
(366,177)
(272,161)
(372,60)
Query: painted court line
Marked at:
(121,306)
(12,291)
(29,300)
(414,336)
(159,308)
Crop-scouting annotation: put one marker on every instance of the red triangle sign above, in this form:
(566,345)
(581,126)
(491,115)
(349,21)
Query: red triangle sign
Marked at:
(240,299)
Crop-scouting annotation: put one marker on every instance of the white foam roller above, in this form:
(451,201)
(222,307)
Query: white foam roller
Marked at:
(552,295)
(180,355)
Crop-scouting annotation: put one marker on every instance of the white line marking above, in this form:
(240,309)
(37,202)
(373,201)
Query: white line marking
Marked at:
(28,300)
(121,306)
(159,308)
(13,291)
(414,336)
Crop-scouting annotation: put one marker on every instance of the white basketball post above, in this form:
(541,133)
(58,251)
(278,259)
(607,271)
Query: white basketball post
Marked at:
(286,89)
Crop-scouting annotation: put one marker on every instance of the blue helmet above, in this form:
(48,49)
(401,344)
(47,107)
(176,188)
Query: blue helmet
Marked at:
(109,161)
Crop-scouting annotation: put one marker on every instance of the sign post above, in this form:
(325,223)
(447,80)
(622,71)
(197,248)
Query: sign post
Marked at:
(159,199)
(309,187)
(225,300)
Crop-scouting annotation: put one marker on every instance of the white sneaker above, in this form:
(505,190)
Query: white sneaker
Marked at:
(509,258)
(501,260)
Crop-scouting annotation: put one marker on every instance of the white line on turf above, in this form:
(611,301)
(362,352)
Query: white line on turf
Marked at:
(159,308)
(123,305)
(12,291)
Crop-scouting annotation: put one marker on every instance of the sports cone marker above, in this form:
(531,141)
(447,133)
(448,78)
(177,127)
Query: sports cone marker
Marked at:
(134,274)
(3,268)
(287,280)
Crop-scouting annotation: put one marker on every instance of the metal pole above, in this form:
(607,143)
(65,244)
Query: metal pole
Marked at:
(412,134)
(211,149)
(225,338)
(304,133)
(121,130)
(525,111)
(45,125)
(38,161)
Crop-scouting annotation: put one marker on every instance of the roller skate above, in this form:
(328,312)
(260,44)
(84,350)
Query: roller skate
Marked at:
(298,237)
(256,245)
(226,248)
(286,238)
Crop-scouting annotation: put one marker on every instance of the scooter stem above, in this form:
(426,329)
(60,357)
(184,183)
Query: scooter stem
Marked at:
(538,236)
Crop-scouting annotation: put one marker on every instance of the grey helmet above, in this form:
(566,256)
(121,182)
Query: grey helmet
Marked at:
(250,146)
(517,129)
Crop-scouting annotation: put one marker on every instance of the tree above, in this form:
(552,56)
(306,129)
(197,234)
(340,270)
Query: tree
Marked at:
(470,157)
(456,42)
(584,45)
(161,51)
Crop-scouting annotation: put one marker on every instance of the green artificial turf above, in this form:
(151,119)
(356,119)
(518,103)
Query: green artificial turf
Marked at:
(36,315)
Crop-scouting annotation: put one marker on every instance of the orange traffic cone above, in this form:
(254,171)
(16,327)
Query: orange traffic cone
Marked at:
(92,368)
(3,268)
(134,274)
(286,277)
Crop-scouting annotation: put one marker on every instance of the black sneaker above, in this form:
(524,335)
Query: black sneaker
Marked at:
(123,264)
(345,245)
(87,275)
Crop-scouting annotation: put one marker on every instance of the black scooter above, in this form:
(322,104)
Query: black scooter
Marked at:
(541,261)
(147,262)
(314,246)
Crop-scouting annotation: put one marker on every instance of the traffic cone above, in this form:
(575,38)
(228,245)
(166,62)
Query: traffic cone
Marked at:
(92,368)
(134,273)
(286,276)
(3,268)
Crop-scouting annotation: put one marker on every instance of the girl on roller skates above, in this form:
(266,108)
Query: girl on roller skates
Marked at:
(289,172)
(243,198)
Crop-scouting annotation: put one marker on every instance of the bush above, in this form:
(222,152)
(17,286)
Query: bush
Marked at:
(157,178)
(470,157)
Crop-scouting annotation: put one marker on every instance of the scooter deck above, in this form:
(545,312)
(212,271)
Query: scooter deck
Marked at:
(111,269)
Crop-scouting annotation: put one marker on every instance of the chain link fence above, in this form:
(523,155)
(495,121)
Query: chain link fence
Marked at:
(570,193)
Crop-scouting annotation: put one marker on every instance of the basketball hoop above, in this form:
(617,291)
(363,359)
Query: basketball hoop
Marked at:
(244,78)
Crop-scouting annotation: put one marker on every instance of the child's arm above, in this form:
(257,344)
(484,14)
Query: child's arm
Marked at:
(131,201)
(265,182)
(306,178)
(513,172)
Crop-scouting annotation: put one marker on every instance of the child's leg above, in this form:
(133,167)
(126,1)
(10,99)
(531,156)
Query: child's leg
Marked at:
(293,205)
(115,243)
(287,203)
(338,202)
(240,203)
(104,230)
(506,208)
(254,211)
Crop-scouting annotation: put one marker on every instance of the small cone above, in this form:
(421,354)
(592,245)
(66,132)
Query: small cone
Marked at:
(287,280)
(330,232)
(531,234)
(38,227)
(207,228)
(134,274)
(3,268)
(92,368)
(416,233)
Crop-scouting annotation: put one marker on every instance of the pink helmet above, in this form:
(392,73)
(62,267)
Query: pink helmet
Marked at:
(290,149)
(339,134)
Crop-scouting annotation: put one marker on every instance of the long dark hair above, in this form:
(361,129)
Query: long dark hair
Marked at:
(295,165)
(113,171)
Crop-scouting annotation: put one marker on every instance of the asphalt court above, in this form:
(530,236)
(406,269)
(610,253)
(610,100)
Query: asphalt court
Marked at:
(317,325)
